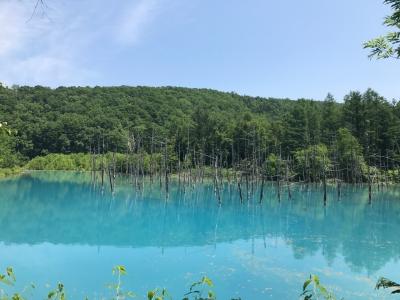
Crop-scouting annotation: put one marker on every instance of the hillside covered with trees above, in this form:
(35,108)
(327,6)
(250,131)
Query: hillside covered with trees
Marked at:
(362,130)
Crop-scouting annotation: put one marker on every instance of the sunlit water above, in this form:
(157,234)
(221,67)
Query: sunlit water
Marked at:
(55,226)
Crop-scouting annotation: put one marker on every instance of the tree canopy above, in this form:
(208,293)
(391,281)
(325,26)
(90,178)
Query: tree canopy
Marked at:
(81,119)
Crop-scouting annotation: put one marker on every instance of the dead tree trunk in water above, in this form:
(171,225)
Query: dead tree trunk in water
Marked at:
(151,156)
(287,179)
(94,165)
(114,169)
(216,181)
(369,177)
(369,186)
(110,178)
(240,189)
(166,166)
(262,188)
(102,170)
(179,164)
(278,177)
(324,179)
(247,185)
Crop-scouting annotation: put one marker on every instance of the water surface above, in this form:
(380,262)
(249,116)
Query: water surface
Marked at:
(57,226)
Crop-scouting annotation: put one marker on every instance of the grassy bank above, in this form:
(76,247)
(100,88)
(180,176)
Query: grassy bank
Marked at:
(84,162)
(65,162)
(7,172)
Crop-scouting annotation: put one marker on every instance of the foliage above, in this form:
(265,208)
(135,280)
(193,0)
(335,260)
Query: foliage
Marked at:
(119,294)
(349,154)
(8,157)
(84,161)
(388,284)
(197,290)
(9,279)
(78,161)
(388,45)
(139,120)
(6,172)
(274,165)
(313,289)
(158,294)
(332,119)
(58,293)
(314,161)
(317,290)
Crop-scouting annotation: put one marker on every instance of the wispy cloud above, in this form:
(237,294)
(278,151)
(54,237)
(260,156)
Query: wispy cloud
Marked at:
(46,70)
(12,34)
(39,50)
(58,50)
(137,16)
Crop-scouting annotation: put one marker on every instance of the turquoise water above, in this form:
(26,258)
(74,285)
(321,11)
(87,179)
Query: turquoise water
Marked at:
(55,226)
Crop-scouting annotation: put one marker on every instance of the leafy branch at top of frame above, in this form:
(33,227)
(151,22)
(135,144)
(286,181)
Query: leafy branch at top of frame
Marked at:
(387,46)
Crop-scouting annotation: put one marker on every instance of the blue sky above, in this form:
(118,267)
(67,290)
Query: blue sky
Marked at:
(265,48)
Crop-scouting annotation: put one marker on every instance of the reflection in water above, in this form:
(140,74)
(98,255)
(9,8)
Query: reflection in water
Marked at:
(59,224)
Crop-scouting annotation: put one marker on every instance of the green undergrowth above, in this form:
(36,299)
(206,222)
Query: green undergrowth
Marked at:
(199,290)
(312,289)
(66,162)
(7,172)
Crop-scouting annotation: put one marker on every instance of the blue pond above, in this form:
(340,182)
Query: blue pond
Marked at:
(57,226)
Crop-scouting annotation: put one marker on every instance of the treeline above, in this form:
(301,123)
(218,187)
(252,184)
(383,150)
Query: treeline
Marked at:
(305,140)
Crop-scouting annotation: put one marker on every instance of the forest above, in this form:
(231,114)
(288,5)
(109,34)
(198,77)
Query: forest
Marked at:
(306,140)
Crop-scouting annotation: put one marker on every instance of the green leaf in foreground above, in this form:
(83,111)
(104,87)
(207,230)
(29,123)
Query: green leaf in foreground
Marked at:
(385,283)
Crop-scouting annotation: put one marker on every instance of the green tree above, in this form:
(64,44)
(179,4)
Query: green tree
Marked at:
(331,119)
(303,125)
(350,158)
(313,161)
(8,156)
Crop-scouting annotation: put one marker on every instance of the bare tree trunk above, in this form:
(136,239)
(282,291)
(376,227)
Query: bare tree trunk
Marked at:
(287,179)
(216,181)
(262,188)
(240,190)
(166,166)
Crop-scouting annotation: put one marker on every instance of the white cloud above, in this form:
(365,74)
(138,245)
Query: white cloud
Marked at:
(41,50)
(58,50)
(135,19)
(12,34)
(46,70)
